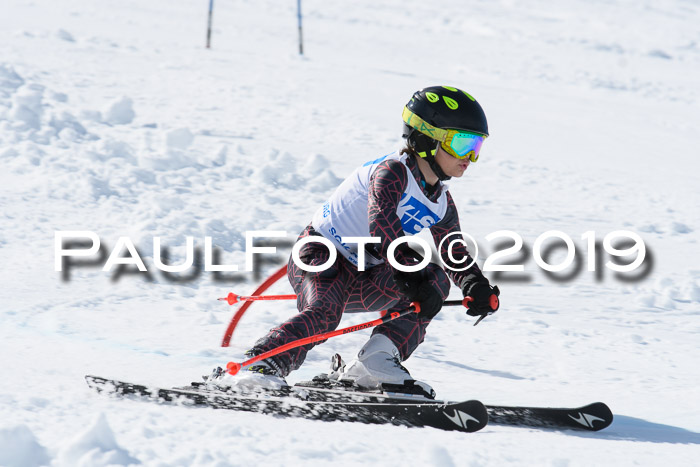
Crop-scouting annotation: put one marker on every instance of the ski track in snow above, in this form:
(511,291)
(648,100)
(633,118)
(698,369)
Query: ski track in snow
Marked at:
(115,119)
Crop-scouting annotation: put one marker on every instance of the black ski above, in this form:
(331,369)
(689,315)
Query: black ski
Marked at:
(321,399)
(467,416)
(592,417)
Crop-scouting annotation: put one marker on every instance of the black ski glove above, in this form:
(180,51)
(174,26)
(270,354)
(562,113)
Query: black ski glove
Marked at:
(484,299)
(418,289)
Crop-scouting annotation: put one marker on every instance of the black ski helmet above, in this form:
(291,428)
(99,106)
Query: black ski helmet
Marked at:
(443,107)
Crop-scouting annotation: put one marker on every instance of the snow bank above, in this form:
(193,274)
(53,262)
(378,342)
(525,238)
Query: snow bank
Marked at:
(9,80)
(29,112)
(120,112)
(95,447)
(19,447)
(27,107)
(668,293)
(179,138)
(284,171)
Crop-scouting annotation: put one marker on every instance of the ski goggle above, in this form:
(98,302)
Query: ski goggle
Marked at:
(457,143)
(463,145)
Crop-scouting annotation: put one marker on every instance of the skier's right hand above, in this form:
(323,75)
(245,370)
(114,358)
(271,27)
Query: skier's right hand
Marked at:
(418,289)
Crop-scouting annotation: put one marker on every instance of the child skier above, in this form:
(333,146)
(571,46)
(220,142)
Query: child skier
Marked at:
(396,195)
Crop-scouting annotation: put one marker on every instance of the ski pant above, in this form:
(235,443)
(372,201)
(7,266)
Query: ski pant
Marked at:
(322,297)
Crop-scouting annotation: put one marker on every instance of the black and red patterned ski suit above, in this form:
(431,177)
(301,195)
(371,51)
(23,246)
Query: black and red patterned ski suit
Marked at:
(322,297)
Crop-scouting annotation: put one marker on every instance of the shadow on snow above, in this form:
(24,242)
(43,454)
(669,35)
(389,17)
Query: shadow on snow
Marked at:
(496,373)
(636,429)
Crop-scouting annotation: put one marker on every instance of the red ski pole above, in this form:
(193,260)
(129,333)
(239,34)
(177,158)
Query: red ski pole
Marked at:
(233,298)
(234,367)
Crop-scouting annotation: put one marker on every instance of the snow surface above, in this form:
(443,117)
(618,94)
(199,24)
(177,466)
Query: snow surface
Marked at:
(114,118)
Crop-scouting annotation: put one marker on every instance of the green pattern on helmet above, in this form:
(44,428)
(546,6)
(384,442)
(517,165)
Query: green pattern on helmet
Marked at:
(469,96)
(432,97)
(451,103)
(450,88)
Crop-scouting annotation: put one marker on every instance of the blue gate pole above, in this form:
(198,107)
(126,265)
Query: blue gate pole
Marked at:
(301,44)
(211,7)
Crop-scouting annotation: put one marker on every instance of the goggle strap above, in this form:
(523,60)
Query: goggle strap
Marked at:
(414,121)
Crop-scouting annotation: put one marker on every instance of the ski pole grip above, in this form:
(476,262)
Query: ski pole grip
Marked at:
(493,299)
(466,301)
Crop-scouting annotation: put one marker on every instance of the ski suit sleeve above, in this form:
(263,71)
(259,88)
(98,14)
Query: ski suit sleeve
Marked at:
(450,224)
(386,185)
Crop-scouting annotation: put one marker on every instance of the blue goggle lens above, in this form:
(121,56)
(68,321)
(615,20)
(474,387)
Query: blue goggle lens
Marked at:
(466,145)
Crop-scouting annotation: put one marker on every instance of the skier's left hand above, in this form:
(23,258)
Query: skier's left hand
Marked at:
(484,298)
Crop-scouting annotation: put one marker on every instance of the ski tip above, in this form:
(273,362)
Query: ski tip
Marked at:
(591,417)
(602,406)
(598,414)
(469,416)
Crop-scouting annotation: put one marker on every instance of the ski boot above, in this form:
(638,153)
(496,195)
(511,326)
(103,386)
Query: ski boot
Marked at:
(378,366)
